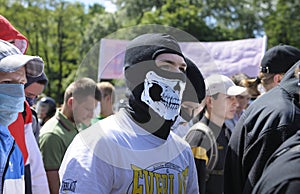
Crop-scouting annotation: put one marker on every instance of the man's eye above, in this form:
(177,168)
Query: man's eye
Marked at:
(5,82)
(165,67)
(183,69)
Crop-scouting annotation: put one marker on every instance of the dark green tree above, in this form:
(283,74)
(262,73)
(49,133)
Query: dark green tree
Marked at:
(282,25)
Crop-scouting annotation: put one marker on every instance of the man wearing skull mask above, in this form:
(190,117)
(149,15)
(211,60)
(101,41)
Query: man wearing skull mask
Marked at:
(133,151)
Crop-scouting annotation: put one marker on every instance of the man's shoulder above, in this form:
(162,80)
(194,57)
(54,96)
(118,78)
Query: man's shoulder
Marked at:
(266,111)
(108,128)
(50,125)
(197,133)
(52,129)
(273,100)
(276,173)
(178,139)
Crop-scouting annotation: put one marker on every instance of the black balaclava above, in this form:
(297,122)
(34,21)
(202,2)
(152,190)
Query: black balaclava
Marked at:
(156,94)
(194,89)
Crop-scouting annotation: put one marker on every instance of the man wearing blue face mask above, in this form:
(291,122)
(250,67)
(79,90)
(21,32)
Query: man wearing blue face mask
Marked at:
(24,129)
(14,66)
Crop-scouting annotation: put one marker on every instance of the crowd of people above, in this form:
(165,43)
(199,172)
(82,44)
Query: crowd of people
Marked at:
(180,132)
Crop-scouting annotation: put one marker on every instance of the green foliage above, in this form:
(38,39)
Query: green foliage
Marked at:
(283,25)
(67,34)
(181,15)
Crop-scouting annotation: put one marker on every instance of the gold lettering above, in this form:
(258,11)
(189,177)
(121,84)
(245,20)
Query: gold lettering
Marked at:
(164,182)
(158,183)
(148,176)
(182,177)
(179,183)
(137,188)
(143,181)
(185,175)
(171,185)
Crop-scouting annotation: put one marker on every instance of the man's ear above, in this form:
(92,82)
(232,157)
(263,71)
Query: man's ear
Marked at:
(70,101)
(208,101)
(105,98)
(109,98)
(277,78)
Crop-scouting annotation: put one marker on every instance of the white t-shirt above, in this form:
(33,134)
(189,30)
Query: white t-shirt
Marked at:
(117,156)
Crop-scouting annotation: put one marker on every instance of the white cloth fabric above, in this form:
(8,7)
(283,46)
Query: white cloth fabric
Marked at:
(117,156)
(38,174)
(181,126)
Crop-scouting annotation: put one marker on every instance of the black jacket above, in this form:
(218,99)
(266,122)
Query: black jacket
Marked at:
(210,182)
(282,172)
(267,122)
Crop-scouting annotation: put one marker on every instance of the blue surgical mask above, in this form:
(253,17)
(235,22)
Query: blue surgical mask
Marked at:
(12,99)
(31,101)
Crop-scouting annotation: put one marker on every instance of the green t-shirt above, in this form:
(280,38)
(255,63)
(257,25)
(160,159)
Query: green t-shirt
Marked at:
(55,137)
(96,119)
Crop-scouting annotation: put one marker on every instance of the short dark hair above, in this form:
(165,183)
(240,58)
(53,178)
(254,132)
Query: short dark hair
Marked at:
(42,82)
(81,89)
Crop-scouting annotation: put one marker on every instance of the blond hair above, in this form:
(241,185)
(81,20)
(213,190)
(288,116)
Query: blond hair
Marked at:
(107,89)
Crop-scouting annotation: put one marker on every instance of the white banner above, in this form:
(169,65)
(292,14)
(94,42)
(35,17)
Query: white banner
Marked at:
(224,57)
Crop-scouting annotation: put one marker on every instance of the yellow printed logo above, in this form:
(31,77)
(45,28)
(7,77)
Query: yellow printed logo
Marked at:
(159,178)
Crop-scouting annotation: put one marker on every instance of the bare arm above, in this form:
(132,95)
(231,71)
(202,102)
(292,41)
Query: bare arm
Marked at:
(53,180)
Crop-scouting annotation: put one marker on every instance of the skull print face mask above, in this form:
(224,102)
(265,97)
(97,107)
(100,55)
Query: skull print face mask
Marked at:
(154,94)
(163,95)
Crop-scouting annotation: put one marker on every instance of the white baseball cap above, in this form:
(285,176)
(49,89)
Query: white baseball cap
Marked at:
(11,59)
(222,84)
